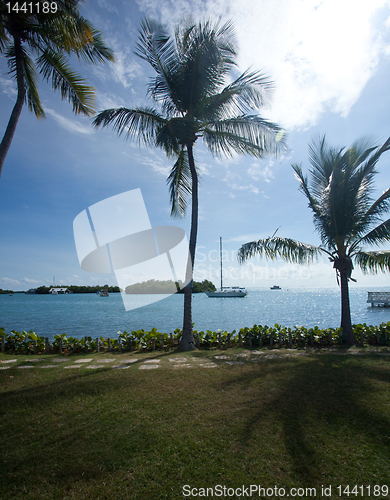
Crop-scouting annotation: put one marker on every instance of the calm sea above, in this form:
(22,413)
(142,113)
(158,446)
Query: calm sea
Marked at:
(88,314)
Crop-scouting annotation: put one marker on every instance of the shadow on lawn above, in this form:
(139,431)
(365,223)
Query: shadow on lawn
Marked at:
(329,412)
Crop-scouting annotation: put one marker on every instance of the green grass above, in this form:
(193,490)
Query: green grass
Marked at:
(294,421)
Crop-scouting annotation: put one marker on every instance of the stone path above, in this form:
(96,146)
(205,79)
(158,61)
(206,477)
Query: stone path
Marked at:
(178,362)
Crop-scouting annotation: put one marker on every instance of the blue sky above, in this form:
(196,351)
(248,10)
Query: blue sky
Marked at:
(330,64)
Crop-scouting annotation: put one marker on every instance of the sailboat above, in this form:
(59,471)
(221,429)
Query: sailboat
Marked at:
(231,291)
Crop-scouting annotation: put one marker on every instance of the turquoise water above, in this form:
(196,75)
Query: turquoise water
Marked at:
(88,314)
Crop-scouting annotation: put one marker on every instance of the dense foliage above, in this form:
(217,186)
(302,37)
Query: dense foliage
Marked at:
(168,286)
(256,336)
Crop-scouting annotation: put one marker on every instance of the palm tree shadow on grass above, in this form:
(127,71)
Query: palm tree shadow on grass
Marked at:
(325,415)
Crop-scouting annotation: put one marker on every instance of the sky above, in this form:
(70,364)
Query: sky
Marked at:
(330,63)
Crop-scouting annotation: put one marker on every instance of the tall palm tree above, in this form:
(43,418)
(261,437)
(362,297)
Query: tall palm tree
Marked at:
(344,213)
(195,102)
(33,41)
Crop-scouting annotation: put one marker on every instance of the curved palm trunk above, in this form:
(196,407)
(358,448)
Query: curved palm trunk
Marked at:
(346,324)
(11,127)
(187,340)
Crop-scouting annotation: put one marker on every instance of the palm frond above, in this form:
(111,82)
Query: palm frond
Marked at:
(245,134)
(94,50)
(53,66)
(376,236)
(206,59)
(31,80)
(143,124)
(180,184)
(304,188)
(248,91)
(156,46)
(285,248)
(380,206)
(372,262)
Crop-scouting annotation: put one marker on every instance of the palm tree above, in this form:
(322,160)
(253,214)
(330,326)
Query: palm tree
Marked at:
(344,214)
(43,42)
(195,102)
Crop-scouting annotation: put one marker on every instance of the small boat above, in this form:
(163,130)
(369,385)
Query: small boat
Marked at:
(275,287)
(103,292)
(227,291)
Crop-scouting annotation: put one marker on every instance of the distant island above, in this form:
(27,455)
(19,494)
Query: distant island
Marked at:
(169,286)
(77,289)
(151,286)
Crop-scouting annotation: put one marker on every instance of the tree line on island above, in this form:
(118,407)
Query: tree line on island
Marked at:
(150,286)
(156,286)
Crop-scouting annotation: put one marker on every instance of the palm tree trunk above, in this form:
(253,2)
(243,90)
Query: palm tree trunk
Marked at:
(11,127)
(346,324)
(187,340)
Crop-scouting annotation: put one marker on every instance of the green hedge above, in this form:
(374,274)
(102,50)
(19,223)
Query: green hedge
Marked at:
(256,336)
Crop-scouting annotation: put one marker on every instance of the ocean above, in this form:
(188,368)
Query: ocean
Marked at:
(80,315)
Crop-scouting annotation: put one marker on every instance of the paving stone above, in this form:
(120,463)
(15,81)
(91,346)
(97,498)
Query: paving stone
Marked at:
(5,367)
(73,366)
(257,352)
(87,360)
(273,356)
(148,367)
(178,360)
(182,365)
(235,362)
(209,365)
(152,361)
(93,367)
(60,360)
(242,355)
(384,353)
(8,361)
(106,360)
(48,366)
(121,367)
(222,357)
(34,360)
(128,361)
(24,366)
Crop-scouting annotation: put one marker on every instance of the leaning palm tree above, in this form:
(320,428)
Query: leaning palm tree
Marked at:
(344,214)
(195,102)
(34,40)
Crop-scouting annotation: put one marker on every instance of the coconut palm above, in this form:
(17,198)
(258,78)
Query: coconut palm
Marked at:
(42,42)
(195,101)
(344,213)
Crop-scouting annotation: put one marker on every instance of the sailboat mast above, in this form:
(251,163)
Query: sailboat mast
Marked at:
(220,255)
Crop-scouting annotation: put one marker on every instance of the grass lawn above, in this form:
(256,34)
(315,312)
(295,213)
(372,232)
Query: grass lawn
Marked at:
(303,419)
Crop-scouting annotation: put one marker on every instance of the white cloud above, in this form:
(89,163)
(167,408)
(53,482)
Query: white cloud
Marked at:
(10,281)
(125,68)
(319,53)
(157,164)
(107,100)
(69,125)
(7,86)
(258,170)
(30,281)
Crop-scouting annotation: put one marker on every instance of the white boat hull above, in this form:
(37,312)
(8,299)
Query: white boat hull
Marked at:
(227,293)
